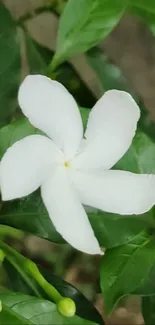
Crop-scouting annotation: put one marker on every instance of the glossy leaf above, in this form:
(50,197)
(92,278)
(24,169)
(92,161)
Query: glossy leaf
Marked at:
(19,270)
(25,310)
(84,307)
(85,23)
(124,268)
(30,215)
(10,65)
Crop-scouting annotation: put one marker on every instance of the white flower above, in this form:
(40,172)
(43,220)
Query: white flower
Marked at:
(71,170)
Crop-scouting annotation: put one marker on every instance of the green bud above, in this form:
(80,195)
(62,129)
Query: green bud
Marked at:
(0,306)
(2,256)
(66,307)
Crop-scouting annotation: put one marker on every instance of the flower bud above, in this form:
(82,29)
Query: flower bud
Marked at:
(66,307)
(0,306)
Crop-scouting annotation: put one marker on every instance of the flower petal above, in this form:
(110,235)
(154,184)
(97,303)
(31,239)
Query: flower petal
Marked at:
(111,127)
(67,213)
(116,191)
(26,164)
(52,109)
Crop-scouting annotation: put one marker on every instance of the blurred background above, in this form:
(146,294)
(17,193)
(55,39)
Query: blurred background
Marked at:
(125,60)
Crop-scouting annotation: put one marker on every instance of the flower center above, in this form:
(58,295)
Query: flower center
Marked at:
(66,163)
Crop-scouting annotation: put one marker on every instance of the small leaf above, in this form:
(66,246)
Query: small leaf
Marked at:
(10,65)
(25,310)
(85,23)
(124,268)
(109,75)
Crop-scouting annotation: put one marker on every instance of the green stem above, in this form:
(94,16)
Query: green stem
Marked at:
(17,260)
(35,12)
(33,270)
(28,269)
(10,231)
(53,65)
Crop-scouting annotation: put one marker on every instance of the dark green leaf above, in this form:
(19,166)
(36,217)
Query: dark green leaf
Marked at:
(13,132)
(85,23)
(10,65)
(148,5)
(84,308)
(25,310)
(148,310)
(124,268)
(30,215)
(147,16)
(140,157)
(37,63)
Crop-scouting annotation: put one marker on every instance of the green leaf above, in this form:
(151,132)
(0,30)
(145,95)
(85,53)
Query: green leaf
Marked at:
(140,157)
(24,275)
(13,132)
(148,5)
(25,310)
(124,268)
(10,65)
(84,307)
(148,310)
(30,215)
(109,75)
(93,21)
(147,16)
(147,288)
(37,64)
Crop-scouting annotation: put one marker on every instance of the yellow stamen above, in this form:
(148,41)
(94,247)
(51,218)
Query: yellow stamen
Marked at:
(66,164)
